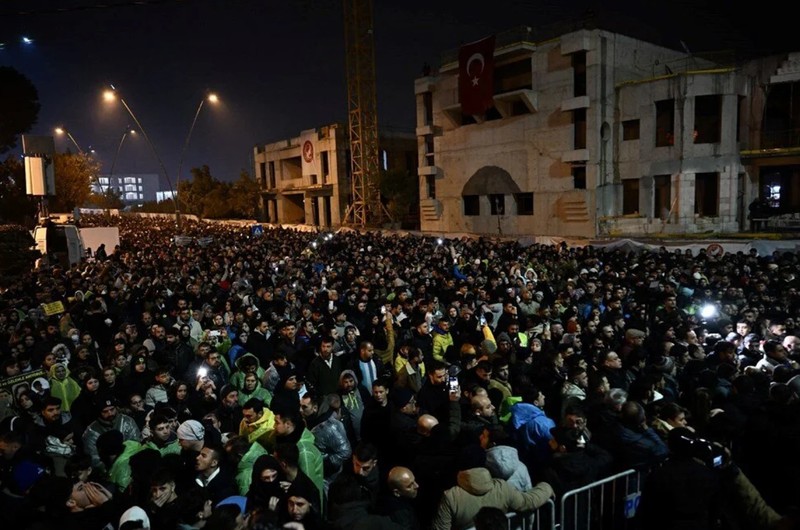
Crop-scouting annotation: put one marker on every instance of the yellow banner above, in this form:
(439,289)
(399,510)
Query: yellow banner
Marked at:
(53,308)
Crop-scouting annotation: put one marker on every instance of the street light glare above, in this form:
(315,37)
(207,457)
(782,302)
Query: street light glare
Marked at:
(212,98)
(59,130)
(27,40)
(109,95)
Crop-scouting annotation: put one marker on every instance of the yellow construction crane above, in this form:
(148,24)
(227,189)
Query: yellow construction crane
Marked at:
(365,208)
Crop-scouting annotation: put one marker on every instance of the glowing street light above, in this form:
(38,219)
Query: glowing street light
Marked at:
(113,94)
(27,40)
(61,131)
(211,98)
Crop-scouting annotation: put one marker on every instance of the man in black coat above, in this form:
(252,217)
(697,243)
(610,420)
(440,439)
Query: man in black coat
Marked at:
(217,479)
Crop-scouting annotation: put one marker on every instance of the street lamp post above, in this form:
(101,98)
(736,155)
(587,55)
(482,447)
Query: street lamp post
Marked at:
(65,132)
(211,98)
(62,130)
(128,130)
(113,94)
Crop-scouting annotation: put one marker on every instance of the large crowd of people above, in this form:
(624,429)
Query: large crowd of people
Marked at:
(228,379)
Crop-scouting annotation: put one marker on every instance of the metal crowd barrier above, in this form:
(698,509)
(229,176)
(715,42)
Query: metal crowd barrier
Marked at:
(541,519)
(607,504)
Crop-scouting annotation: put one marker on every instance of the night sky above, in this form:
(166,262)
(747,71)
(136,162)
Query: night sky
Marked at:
(278,67)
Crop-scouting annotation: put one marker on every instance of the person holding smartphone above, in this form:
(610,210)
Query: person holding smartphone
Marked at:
(435,395)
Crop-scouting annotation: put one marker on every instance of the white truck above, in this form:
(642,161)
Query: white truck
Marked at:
(67,244)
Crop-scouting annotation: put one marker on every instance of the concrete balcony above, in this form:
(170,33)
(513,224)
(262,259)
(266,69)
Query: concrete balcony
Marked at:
(428,130)
(576,155)
(580,102)
(788,71)
(428,171)
(504,102)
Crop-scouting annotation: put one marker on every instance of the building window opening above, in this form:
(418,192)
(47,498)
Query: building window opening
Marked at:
(662,196)
(579,73)
(630,197)
(524,203)
(472,205)
(707,119)
(579,177)
(706,194)
(630,130)
(665,123)
(497,204)
(430,184)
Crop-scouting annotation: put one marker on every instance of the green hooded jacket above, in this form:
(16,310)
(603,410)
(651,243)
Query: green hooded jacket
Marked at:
(310,461)
(120,472)
(237,379)
(244,471)
(172,448)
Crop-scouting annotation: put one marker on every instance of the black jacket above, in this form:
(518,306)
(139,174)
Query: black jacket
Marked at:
(222,486)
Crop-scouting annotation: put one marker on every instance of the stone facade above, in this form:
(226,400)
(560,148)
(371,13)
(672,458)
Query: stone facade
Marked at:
(306,179)
(593,134)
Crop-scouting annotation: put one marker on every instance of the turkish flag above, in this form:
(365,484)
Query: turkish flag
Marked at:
(476,76)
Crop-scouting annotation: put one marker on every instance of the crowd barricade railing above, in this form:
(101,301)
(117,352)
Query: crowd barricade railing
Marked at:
(606,504)
(543,518)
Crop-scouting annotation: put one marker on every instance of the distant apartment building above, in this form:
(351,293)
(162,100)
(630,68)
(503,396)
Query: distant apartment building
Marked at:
(306,179)
(134,189)
(593,133)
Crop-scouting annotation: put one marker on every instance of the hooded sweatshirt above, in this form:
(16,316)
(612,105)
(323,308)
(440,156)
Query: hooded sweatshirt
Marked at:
(237,379)
(532,429)
(310,458)
(475,489)
(244,471)
(503,463)
(260,430)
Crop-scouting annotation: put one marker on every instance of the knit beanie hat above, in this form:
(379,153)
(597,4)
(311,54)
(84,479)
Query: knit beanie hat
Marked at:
(191,430)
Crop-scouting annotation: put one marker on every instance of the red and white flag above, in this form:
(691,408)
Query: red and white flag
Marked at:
(476,76)
(308,152)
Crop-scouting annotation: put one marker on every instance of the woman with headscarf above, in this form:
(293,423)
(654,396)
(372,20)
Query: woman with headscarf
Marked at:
(27,407)
(179,397)
(186,337)
(84,408)
(139,379)
(251,388)
(287,392)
